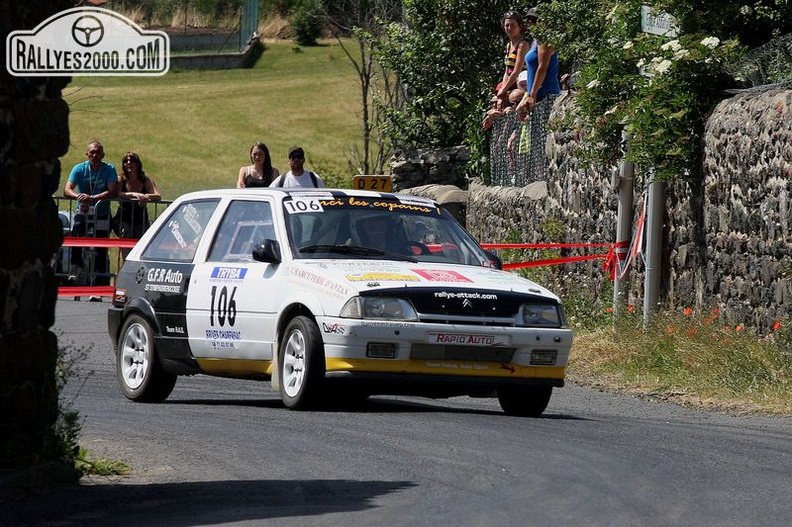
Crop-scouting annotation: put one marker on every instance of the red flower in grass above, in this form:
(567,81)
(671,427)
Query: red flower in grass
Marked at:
(687,311)
(776,325)
(630,308)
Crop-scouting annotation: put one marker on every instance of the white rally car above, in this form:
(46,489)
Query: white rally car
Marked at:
(331,295)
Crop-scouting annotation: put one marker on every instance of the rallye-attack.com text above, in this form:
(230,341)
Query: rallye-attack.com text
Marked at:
(35,58)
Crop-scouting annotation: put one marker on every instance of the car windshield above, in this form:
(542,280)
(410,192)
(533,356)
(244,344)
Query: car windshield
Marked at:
(398,228)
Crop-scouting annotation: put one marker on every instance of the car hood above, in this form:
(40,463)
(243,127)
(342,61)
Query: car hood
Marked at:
(370,275)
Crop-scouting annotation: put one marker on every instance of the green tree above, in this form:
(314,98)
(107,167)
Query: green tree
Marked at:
(446,57)
(660,88)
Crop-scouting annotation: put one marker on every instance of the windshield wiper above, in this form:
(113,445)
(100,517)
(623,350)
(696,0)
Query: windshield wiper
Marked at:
(343,248)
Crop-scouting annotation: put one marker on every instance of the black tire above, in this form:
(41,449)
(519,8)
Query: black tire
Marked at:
(525,402)
(140,375)
(301,362)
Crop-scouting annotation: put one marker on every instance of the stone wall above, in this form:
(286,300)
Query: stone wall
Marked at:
(428,166)
(726,243)
(34,133)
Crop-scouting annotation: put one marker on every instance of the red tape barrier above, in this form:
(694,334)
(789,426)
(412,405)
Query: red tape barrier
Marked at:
(78,241)
(611,258)
(87,290)
(82,241)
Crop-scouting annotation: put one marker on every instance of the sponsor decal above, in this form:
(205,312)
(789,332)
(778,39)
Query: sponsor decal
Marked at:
(301,205)
(330,286)
(467,339)
(382,324)
(163,280)
(457,366)
(174,329)
(229,273)
(336,328)
(87,41)
(223,338)
(466,295)
(439,275)
(397,277)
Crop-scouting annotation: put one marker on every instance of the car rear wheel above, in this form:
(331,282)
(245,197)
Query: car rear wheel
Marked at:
(140,374)
(302,364)
(525,402)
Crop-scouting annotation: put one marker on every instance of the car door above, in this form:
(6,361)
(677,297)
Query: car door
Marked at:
(231,305)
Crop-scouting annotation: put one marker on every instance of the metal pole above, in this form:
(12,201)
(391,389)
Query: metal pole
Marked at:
(654,247)
(624,219)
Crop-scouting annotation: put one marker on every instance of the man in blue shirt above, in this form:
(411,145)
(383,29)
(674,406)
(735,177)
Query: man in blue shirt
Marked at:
(92,183)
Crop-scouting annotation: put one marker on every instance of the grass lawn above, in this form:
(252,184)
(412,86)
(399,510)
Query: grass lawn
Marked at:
(193,129)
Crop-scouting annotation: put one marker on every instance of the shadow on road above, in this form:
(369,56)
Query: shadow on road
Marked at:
(372,405)
(196,503)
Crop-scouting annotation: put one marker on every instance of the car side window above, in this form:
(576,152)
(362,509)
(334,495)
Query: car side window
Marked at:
(244,226)
(177,239)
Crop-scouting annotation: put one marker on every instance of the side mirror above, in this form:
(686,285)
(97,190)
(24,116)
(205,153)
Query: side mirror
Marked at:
(267,251)
(494,259)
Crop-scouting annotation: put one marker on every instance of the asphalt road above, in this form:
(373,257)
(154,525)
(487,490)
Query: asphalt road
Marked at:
(222,451)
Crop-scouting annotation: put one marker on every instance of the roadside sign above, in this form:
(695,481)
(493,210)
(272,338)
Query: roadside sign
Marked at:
(658,22)
(378,183)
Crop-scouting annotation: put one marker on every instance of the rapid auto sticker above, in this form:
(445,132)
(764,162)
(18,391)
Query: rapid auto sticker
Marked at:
(467,339)
(440,275)
(161,280)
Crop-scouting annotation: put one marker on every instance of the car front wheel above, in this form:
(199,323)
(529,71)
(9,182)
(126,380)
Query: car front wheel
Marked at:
(525,402)
(301,360)
(140,374)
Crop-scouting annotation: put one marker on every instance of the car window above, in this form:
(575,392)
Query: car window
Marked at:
(244,226)
(402,226)
(177,238)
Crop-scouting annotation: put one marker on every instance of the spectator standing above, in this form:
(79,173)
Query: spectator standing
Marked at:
(92,183)
(137,189)
(260,173)
(541,63)
(298,176)
(508,92)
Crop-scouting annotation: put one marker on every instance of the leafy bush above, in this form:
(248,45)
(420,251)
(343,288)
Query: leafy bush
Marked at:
(446,56)
(307,21)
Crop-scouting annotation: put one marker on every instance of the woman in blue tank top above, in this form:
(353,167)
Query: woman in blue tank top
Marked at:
(541,63)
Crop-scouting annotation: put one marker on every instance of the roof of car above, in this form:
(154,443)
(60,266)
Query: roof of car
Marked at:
(306,192)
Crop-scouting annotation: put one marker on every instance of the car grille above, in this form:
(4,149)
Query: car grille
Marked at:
(475,320)
(453,352)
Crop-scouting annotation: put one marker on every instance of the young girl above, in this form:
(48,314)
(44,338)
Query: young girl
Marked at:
(136,189)
(261,172)
(508,93)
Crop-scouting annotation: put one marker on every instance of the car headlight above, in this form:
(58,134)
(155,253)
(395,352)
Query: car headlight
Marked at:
(378,307)
(540,315)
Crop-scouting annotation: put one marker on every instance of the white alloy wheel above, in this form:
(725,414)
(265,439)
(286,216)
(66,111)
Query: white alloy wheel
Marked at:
(140,375)
(294,364)
(135,356)
(301,363)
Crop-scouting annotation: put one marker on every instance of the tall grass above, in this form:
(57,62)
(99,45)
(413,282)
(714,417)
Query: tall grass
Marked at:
(193,129)
(690,358)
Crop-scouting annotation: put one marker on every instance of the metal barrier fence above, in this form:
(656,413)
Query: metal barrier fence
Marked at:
(517,149)
(82,264)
